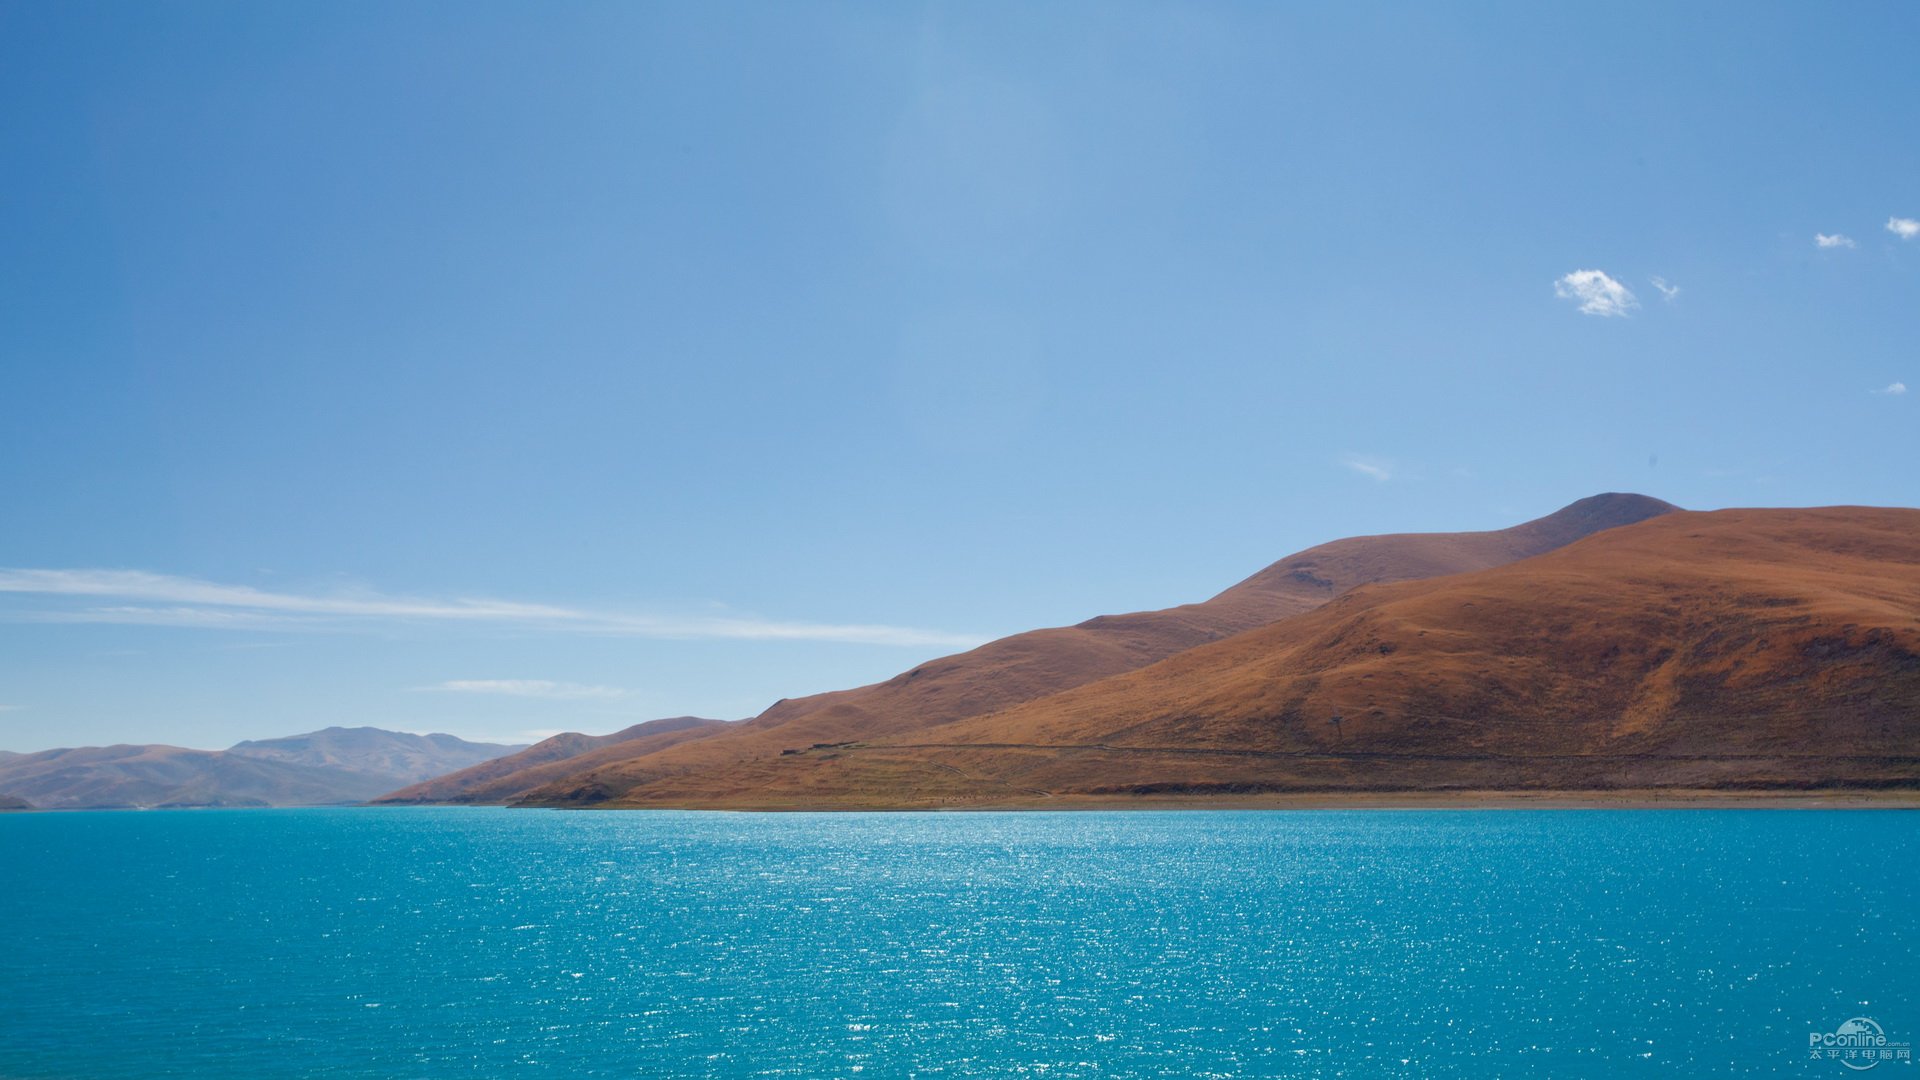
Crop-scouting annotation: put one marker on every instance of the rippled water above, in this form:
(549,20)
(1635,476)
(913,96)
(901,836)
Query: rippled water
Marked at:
(476,942)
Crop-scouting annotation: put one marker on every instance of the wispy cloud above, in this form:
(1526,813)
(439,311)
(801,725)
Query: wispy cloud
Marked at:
(8,708)
(1666,290)
(1893,389)
(1596,293)
(1376,468)
(1833,240)
(1905,228)
(528,688)
(150,599)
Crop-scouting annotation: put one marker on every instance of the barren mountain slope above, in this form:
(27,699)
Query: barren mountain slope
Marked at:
(1028,666)
(507,778)
(1736,650)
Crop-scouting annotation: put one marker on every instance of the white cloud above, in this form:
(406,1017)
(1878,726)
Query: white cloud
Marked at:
(1834,240)
(528,688)
(165,600)
(8,708)
(1381,471)
(1894,389)
(1666,290)
(1597,293)
(165,588)
(1905,228)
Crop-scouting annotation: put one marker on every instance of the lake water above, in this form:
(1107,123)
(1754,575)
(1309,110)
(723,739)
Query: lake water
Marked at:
(483,942)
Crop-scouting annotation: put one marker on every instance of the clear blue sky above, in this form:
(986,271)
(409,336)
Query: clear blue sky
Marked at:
(509,368)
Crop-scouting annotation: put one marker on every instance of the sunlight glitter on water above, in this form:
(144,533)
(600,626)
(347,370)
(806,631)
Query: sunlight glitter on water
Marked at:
(472,942)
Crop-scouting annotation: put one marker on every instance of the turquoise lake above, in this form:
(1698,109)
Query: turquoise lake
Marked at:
(485,942)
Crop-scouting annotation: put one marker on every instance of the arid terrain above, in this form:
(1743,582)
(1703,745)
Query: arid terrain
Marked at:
(1617,651)
(1734,652)
(505,779)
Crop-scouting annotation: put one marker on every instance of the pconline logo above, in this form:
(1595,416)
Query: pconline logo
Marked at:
(1859,1044)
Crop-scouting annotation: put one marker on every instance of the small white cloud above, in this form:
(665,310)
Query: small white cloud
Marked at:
(1905,228)
(1833,240)
(529,688)
(1894,389)
(1666,290)
(1596,292)
(1380,471)
(8,708)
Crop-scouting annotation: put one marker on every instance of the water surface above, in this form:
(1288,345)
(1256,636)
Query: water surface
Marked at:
(480,942)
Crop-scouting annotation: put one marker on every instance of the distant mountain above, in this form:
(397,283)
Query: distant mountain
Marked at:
(1740,650)
(1034,665)
(370,750)
(14,802)
(505,779)
(332,767)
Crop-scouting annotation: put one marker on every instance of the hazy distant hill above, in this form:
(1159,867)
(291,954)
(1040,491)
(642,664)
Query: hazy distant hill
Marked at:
(1748,650)
(14,802)
(329,767)
(505,779)
(1034,665)
(372,750)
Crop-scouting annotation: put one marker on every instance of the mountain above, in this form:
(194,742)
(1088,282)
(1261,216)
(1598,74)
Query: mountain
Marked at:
(507,778)
(331,767)
(1041,662)
(14,802)
(371,750)
(1029,666)
(1740,650)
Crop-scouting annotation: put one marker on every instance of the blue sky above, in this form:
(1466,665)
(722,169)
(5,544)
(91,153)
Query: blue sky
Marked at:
(503,369)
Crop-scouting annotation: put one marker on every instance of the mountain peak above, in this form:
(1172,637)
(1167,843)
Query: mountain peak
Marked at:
(1607,510)
(1332,568)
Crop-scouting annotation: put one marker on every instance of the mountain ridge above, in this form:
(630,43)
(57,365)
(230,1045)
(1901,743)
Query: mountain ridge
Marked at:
(1035,664)
(1732,651)
(335,766)
(511,776)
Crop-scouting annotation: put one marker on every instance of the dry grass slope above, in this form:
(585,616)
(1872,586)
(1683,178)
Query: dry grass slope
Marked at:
(1746,651)
(753,763)
(505,779)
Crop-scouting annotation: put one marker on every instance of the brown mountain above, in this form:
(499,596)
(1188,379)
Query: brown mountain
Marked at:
(1041,662)
(1029,666)
(505,779)
(325,768)
(1748,650)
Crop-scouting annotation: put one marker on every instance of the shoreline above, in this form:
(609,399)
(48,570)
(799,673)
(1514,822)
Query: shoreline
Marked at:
(1639,799)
